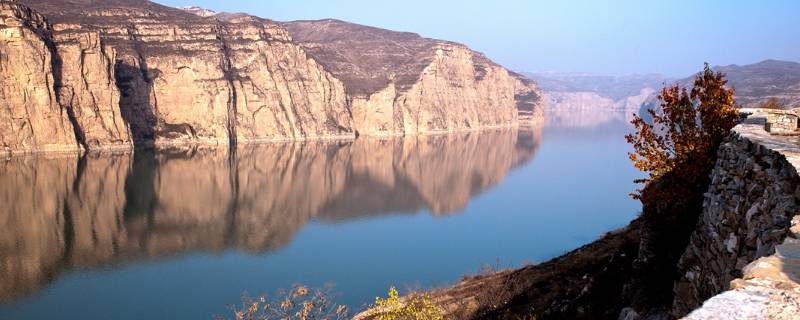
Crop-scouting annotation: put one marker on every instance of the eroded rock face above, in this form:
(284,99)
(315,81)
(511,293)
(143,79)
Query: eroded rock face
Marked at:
(88,90)
(31,117)
(281,92)
(401,83)
(107,74)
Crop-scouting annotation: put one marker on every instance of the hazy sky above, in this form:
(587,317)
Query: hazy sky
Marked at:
(609,37)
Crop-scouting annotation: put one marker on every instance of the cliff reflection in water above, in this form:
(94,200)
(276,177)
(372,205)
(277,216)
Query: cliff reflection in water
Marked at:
(65,213)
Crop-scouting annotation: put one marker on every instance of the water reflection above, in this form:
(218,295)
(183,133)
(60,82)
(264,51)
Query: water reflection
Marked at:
(65,213)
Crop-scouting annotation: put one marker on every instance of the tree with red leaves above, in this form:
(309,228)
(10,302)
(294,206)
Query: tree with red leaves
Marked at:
(684,135)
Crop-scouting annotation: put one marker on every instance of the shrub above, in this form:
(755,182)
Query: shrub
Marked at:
(301,303)
(683,136)
(413,307)
(771,103)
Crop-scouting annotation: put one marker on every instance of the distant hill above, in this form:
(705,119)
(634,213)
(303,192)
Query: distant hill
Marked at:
(613,87)
(755,83)
(588,100)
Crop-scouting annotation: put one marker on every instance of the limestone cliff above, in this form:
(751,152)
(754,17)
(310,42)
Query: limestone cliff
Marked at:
(31,119)
(401,83)
(111,73)
(190,79)
(87,89)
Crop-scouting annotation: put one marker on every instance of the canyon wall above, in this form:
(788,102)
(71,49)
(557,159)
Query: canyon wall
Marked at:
(748,211)
(110,74)
(401,83)
(31,119)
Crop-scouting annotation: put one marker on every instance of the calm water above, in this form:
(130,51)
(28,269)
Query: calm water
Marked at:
(182,234)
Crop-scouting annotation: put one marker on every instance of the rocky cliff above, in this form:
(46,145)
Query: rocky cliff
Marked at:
(402,83)
(111,73)
(32,118)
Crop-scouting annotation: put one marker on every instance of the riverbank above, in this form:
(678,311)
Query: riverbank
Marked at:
(730,262)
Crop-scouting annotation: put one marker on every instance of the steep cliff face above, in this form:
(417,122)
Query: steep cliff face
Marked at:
(401,83)
(107,74)
(189,79)
(281,92)
(32,119)
(87,89)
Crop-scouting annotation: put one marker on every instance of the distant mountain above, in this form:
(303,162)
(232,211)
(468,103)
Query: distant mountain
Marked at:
(199,11)
(613,87)
(755,83)
(588,100)
(581,100)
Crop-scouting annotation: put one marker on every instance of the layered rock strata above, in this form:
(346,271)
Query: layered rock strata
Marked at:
(108,74)
(401,83)
(31,117)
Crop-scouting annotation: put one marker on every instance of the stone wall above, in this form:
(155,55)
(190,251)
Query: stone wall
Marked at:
(781,122)
(748,212)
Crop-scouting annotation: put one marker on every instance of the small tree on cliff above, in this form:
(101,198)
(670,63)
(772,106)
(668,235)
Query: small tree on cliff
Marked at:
(771,103)
(678,150)
(684,134)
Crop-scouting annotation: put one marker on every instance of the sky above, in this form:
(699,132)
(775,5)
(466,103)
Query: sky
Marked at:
(673,38)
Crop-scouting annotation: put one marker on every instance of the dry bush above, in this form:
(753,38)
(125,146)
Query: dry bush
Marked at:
(415,306)
(300,303)
(771,103)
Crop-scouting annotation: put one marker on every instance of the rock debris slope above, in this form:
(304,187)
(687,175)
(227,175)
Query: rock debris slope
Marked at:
(79,74)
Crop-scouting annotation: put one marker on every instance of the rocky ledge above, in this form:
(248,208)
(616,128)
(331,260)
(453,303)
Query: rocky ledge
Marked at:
(747,245)
(112,73)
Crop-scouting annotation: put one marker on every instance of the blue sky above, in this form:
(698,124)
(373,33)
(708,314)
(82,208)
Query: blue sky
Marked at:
(607,37)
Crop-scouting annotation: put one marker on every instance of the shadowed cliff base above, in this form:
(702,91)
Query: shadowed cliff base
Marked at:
(134,102)
(106,209)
